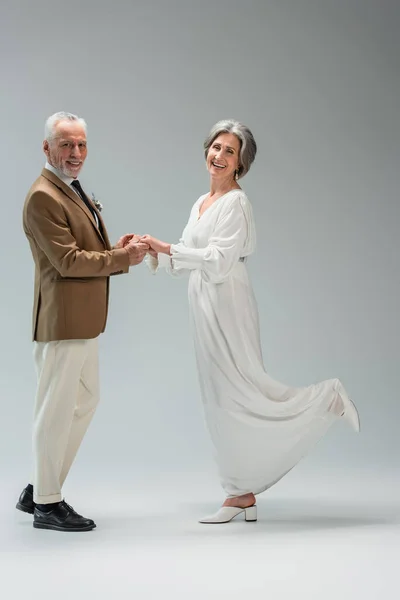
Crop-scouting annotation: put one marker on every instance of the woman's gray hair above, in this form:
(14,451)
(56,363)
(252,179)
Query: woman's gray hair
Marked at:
(248,146)
(56,118)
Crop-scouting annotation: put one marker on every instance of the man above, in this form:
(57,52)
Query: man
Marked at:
(73,262)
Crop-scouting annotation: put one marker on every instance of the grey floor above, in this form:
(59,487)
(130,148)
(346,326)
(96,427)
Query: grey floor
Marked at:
(335,535)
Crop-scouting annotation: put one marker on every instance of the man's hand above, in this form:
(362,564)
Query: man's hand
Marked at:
(125,239)
(156,245)
(137,251)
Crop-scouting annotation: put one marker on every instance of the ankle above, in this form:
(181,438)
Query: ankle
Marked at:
(244,501)
(47,507)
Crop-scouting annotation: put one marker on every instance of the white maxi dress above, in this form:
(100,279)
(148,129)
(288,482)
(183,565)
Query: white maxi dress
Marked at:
(260,428)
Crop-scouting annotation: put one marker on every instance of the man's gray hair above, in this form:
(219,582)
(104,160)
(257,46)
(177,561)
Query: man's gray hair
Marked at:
(52,121)
(248,146)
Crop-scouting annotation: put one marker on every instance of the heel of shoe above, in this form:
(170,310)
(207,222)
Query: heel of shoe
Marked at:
(350,412)
(23,508)
(251,513)
(353,417)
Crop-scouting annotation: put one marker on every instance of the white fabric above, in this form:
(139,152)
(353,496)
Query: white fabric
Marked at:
(260,428)
(66,399)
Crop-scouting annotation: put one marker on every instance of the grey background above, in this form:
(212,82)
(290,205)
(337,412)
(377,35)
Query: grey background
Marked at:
(318,83)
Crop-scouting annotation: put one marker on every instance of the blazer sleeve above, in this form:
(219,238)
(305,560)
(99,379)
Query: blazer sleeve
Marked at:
(47,222)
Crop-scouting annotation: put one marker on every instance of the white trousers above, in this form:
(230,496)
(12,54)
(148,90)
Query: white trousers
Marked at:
(66,399)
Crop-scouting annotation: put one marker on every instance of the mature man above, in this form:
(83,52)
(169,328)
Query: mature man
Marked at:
(73,262)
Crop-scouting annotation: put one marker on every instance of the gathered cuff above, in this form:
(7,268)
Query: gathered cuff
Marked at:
(152,263)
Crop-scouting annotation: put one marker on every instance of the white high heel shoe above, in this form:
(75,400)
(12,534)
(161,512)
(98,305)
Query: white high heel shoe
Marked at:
(350,413)
(227,513)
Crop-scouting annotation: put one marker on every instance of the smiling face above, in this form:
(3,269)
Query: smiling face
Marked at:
(67,149)
(223,157)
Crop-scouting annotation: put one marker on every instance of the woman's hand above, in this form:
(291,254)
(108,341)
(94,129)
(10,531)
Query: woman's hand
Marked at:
(156,245)
(125,239)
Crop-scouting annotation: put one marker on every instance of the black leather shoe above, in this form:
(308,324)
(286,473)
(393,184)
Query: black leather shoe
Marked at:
(25,502)
(61,518)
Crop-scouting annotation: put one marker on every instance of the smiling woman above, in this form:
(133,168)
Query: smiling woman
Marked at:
(260,427)
(223,155)
(240,140)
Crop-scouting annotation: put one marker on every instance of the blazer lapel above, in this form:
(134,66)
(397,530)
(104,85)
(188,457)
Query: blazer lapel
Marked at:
(79,202)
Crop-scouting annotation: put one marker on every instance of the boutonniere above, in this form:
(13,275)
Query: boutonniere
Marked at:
(97,204)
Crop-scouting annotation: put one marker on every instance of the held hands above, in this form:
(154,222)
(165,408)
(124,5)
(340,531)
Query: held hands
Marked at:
(138,246)
(135,249)
(156,246)
(125,239)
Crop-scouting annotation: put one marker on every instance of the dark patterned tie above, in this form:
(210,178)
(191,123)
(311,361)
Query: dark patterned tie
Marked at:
(78,188)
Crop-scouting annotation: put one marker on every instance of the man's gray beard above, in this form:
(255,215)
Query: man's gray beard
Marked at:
(64,171)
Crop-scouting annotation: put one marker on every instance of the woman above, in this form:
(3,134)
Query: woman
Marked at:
(260,428)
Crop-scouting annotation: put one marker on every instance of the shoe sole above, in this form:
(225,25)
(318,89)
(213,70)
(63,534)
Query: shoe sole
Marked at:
(224,522)
(24,509)
(59,528)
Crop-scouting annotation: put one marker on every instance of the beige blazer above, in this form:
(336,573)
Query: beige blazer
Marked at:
(73,261)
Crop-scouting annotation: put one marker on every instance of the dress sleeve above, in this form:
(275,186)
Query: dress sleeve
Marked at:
(224,248)
(164,261)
